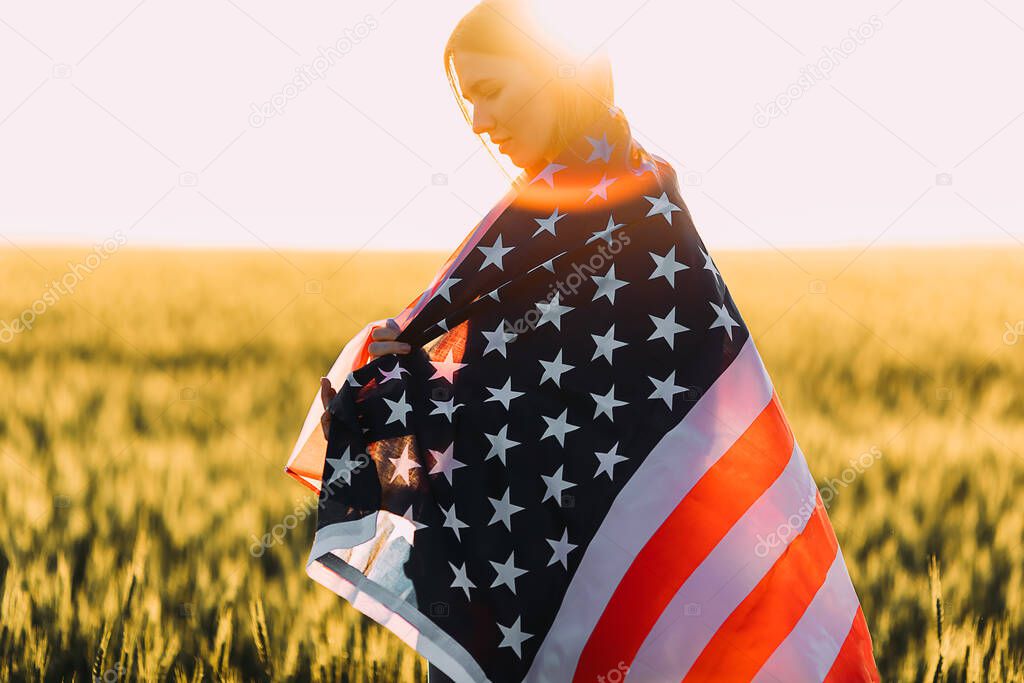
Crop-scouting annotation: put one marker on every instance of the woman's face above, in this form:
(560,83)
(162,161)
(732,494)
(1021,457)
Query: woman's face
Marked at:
(510,104)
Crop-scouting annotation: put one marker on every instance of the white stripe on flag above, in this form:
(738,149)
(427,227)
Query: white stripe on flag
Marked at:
(398,616)
(668,473)
(727,575)
(811,647)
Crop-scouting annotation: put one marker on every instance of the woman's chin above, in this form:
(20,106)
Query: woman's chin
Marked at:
(525,163)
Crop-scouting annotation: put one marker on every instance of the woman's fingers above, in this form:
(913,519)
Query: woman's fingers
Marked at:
(327,392)
(387,333)
(383,348)
(325,424)
(385,344)
(384,333)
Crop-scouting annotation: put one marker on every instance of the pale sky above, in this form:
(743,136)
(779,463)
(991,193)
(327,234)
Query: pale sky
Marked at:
(136,116)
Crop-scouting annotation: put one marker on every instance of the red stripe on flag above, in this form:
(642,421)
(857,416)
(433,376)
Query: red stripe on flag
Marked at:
(684,539)
(855,662)
(745,641)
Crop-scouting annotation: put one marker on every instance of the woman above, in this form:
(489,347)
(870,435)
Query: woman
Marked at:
(577,381)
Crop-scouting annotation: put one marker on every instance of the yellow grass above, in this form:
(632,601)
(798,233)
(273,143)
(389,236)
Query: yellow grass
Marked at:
(147,417)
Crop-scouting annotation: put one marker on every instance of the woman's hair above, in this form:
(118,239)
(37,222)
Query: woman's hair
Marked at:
(509,28)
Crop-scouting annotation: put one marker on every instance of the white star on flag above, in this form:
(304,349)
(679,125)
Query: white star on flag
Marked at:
(708,264)
(666,389)
(723,320)
(554,369)
(606,344)
(494,254)
(513,637)
(608,460)
(647,165)
(446,408)
(446,368)
(555,485)
(602,149)
(445,462)
(341,468)
(661,205)
(452,522)
(548,265)
(507,572)
(461,580)
(548,224)
(504,394)
(548,174)
(444,291)
(607,285)
(666,328)
(560,549)
(666,266)
(498,338)
(393,373)
(399,409)
(558,427)
(601,189)
(404,465)
(503,510)
(606,403)
(606,234)
(406,526)
(552,312)
(500,443)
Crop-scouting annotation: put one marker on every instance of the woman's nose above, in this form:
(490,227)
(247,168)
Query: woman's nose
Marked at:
(482,122)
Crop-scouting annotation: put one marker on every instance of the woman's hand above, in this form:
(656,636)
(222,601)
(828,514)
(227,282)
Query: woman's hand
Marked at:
(386,343)
(327,392)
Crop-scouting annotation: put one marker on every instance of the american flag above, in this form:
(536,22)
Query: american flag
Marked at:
(582,472)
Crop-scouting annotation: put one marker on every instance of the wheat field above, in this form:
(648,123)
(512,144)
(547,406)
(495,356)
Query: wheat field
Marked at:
(149,412)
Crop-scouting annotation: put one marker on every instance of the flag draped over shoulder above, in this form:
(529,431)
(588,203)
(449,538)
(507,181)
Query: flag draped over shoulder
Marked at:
(582,472)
